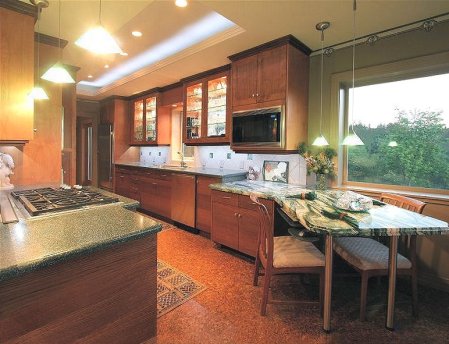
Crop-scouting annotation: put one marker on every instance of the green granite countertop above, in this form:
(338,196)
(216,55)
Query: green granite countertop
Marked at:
(317,215)
(208,172)
(40,241)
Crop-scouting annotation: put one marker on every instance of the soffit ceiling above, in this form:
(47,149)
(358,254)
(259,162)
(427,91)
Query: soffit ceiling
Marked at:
(256,22)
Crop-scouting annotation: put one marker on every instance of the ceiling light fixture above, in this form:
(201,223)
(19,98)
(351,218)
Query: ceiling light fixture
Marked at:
(106,66)
(38,93)
(181,3)
(90,76)
(136,33)
(321,140)
(352,139)
(57,73)
(98,41)
(123,53)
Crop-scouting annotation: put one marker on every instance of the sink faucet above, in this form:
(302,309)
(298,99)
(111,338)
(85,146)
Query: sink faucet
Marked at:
(183,163)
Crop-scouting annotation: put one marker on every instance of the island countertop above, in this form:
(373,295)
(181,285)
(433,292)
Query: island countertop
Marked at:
(225,174)
(41,241)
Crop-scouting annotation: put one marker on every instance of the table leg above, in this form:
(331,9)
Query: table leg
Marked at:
(328,253)
(392,266)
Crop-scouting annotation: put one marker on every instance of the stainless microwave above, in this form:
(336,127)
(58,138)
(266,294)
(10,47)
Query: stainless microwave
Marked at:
(259,127)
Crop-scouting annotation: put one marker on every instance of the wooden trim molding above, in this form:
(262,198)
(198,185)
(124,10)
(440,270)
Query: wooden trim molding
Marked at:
(289,39)
(13,142)
(20,7)
(207,73)
(50,40)
(171,86)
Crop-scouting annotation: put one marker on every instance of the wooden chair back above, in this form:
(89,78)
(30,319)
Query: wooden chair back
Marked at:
(266,233)
(403,202)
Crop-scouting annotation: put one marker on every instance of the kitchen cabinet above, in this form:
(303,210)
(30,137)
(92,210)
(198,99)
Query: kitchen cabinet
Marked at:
(183,202)
(155,192)
(17,75)
(235,221)
(127,183)
(149,127)
(203,202)
(274,74)
(260,78)
(207,109)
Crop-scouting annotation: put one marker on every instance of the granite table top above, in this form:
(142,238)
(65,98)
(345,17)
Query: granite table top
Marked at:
(37,242)
(208,172)
(384,220)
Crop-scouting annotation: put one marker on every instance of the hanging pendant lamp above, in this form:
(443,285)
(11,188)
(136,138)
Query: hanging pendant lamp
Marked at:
(352,138)
(38,93)
(57,73)
(98,41)
(321,140)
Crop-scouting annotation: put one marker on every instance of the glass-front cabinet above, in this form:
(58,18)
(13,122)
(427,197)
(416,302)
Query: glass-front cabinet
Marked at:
(145,121)
(207,110)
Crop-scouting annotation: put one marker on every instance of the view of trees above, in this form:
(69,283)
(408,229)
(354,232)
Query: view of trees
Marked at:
(420,159)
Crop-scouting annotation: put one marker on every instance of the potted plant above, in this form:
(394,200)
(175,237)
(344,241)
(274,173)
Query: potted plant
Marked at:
(320,162)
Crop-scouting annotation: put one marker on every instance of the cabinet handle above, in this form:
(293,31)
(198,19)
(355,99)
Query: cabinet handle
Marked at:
(257,94)
(235,214)
(226,197)
(154,183)
(122,176)
(252,95)
(163,175)
(239,215)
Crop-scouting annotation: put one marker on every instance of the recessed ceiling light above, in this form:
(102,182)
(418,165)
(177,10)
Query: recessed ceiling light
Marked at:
(181,3)
(106,66)
(90,76)
(136,33)
(123,53)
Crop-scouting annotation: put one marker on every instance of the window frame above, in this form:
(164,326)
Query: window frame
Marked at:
(340,84)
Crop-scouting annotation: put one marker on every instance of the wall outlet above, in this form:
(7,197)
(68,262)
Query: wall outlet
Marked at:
(159,153)
(149,153)
(141,153)
(211,155)
(228,156)
(250,157)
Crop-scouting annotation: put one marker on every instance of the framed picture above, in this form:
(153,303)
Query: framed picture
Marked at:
(275,171)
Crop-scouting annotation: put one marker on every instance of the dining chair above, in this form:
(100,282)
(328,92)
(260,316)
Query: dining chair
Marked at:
(283,255)
(370,257)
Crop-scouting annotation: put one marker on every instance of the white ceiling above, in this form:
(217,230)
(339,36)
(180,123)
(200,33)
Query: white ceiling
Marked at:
(257,22)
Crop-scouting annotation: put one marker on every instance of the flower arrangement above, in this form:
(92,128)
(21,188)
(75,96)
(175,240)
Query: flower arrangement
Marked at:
(320,161)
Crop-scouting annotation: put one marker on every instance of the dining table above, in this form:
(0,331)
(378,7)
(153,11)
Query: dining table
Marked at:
(319,215)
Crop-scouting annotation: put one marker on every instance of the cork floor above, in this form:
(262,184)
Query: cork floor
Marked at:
(228,311)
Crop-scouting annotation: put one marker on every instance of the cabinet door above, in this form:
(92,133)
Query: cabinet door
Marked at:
(138,124)
(216,107)
(225,225)
(183,200)
(248,231)
(203,202)
(272,74)
(150,120)
(244,81)
(193,111)
(162,206)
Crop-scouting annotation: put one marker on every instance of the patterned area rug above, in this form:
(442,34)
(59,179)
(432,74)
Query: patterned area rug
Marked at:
(174,288)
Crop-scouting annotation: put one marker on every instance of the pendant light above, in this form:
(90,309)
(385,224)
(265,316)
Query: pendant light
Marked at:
(352,139)
(38,93)
(98,41)
(321,140)
(57,73)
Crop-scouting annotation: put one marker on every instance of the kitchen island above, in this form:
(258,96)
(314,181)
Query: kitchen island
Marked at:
(83,275)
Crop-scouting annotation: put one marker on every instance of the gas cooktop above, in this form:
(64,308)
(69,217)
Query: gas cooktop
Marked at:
(45,200)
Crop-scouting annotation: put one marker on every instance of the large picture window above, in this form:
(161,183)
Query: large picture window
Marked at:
(405,128)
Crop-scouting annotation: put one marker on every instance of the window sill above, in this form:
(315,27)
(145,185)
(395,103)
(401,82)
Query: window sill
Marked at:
(429,198)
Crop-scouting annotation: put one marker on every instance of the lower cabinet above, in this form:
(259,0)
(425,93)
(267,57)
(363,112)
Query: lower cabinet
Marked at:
(127,183)
(235,221)
(155,192)
(183,204)
(203,202)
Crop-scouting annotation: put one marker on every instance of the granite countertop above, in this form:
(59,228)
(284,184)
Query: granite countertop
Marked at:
(379,220)
(36,242)
(209,172)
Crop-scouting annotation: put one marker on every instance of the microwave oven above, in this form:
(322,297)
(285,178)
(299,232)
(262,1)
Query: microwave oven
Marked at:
(259,128)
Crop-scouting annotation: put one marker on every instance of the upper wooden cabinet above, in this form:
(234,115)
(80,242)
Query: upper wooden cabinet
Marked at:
(207,110)
(260,78)
(274,74)
(149,125)
(16,75)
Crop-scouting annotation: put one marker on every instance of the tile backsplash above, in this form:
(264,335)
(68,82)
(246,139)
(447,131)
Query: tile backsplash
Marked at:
(223,156)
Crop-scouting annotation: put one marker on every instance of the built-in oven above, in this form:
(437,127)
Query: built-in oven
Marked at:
(259,128)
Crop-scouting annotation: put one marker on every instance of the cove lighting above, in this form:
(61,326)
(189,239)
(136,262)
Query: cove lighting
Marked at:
(181,3)
(208,26)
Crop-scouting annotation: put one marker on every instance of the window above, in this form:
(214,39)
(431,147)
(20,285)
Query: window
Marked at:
(405,127)
(176,137)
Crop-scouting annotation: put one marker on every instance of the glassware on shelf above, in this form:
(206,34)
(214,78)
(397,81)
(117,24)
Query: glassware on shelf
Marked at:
(193,110)
(150,119)
(216,107)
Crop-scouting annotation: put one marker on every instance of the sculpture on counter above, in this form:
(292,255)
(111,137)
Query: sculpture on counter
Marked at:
(6,167)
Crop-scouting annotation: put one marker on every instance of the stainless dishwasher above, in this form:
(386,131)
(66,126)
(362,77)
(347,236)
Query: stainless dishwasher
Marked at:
(183,199)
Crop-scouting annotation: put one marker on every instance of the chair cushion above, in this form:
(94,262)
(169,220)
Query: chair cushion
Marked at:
(289,252)
(366,254)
